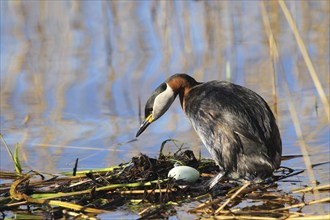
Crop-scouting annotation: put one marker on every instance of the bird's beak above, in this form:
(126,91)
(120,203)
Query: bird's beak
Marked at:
(144,125)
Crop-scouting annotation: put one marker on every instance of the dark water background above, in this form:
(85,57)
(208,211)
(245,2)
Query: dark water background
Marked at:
(73,72)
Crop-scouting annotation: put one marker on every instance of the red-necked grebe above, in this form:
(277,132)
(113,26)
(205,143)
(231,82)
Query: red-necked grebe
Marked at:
(234,123)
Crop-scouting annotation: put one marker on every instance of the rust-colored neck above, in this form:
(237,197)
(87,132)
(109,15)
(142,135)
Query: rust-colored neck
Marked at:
(181,84)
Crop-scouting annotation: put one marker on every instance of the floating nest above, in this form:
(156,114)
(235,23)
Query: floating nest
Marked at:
(142,186)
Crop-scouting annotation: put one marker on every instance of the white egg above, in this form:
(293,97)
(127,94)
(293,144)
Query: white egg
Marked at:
(184,173)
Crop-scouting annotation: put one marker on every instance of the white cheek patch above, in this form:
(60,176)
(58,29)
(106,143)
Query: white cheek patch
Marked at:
(162,102)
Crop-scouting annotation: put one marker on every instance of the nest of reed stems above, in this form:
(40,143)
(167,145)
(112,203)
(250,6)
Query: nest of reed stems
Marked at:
(142,186)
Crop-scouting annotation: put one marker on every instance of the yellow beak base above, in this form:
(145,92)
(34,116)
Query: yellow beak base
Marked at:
(144,125)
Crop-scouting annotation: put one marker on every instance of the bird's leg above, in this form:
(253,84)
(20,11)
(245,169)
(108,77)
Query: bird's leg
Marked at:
(210,184)
(213,185)
(215,180)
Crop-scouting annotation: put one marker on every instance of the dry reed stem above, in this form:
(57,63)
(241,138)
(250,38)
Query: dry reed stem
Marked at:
(309,189)
(293,216)
(244,217)
(273,53)
(99,189)
(17,195)
(216,201)
(8,175)
(296,214)
(141,191)
(146,210)
(306,57)
(272,47)
(209,211)
(11,205)
(301,141)
(302,204)
(232,197)
(205,204)
(207,175)
(318,217)
(292,108)
(315,217)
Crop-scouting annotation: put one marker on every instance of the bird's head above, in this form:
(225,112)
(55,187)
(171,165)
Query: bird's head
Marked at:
(160,100)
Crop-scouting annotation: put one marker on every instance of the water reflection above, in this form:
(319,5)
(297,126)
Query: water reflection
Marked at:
(72,74)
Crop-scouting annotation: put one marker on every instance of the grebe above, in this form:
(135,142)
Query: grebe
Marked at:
(234,123)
